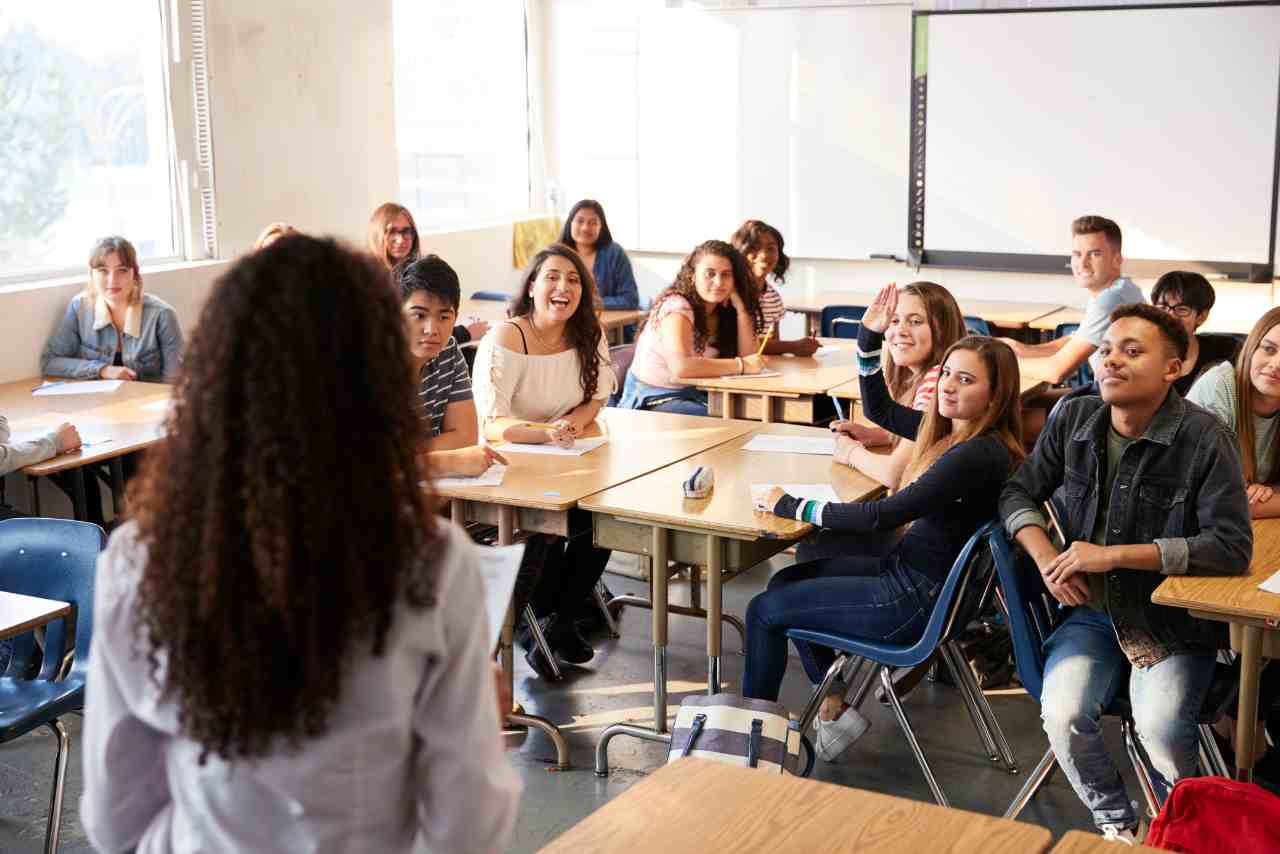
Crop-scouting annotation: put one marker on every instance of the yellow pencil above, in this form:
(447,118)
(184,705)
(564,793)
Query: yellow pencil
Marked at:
(535,425)
(760,352)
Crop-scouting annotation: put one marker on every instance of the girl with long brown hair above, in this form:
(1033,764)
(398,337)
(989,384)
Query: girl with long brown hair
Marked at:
(762,246)
(273,662)
(549,365)
(703,325)
(967,443)
(1246,397)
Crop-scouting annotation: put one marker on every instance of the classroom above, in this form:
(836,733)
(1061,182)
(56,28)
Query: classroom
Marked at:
(831,426)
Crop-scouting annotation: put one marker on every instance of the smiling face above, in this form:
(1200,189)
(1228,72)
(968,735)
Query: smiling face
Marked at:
(114,278)
(1095,263)
(1137,365)
(585,228)
(713,278)
(1264,366)
(1171,303)
(909,335)
(557,289)
(428,323)
(399,237)
(964,386)
(763,257)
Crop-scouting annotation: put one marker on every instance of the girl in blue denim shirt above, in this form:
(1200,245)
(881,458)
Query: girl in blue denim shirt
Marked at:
(112,330)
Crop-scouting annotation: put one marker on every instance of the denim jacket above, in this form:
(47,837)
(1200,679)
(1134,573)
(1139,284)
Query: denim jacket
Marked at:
(1180,486)
(85,341)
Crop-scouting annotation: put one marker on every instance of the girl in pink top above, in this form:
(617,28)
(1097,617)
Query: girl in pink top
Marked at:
(703,325)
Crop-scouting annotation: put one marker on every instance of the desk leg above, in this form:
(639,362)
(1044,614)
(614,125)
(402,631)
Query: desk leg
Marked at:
(117,486)
(727,411)
(78,498)
(766,409)
(715,606)
(34,483)
(458,512)
(506,534)
(1247,709)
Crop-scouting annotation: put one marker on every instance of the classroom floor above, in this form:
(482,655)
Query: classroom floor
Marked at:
(617,686)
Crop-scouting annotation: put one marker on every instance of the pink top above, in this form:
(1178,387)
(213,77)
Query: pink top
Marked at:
(654,347)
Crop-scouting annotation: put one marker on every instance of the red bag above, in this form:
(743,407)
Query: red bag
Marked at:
(1213,815)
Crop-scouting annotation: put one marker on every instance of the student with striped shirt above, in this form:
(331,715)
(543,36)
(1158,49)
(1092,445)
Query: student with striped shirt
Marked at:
(429,298)
(761,244)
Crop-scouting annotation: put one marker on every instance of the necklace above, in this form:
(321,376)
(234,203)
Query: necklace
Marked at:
(533,327)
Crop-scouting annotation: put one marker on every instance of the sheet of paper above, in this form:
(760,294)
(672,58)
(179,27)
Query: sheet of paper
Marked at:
(87,439)
(807,491)
(491,477)
(782,444)
(498,568)
(579,447)
(158,406)
(758,376)
(90,387)
(1272,584)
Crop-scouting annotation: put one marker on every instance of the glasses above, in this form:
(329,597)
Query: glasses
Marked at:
(1181,310)
(406,233)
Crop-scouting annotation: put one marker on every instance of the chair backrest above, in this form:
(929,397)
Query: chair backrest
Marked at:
(621,355)
(1078,391)
(841,321)
(52,559)
(1084,374)
(976,325)
(494,296)
(1032,612)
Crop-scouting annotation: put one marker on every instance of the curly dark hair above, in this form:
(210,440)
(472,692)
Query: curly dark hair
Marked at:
(261,584)
(683,286)
(583,329)
(751,234)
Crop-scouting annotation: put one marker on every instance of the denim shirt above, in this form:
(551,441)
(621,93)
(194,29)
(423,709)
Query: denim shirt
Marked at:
(615,281)
(85,340)
(1179,486)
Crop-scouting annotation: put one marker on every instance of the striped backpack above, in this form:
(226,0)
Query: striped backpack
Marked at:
(738,731)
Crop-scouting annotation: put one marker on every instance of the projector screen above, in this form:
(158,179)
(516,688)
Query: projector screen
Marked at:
(1161,119)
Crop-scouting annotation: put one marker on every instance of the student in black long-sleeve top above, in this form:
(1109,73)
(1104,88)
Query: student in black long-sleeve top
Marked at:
(967,443)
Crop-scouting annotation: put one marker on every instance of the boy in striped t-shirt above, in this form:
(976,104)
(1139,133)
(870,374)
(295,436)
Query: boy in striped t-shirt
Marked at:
(429,298)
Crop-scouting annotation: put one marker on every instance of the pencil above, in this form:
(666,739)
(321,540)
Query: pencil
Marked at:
(537,426)
(760,352)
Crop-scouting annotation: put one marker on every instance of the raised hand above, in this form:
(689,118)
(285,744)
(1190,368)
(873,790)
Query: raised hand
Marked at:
(880,312)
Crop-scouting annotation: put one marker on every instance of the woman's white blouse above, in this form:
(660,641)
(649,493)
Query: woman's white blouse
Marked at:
(535,388)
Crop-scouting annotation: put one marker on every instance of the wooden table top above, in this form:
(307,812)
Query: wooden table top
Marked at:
(19,613)
(495,311)
(657,496)
(119,416)
(799,374)
(1000,312)
(694,805)
(1080,842)
(1235,595)
(639,442)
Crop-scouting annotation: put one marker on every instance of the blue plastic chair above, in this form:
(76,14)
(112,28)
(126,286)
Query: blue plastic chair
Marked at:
(52,559)
(841,321)
(958,602)
(1032,614)
(1084,374)
(493,296)
(976,326)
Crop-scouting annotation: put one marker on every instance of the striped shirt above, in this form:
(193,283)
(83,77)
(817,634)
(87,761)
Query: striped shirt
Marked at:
(771,306)
(444,380)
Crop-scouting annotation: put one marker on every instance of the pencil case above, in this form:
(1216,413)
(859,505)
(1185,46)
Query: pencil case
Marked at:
(699,482)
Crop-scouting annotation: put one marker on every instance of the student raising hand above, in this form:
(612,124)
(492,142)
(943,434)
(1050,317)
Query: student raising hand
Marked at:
(880,313)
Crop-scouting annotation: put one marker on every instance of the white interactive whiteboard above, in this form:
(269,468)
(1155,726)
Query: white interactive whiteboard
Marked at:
(1163,119)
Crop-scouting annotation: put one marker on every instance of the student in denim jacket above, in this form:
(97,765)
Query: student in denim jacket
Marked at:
(112,330)
(1150,486)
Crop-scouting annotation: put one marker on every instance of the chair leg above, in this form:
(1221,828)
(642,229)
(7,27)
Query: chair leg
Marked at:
(958,672)
(1215,764)
(1039,776)
(857,698)
(59,784)
(1140,768)
(886,679)
(598,593)
(540,640)
(819,694)
(965,678)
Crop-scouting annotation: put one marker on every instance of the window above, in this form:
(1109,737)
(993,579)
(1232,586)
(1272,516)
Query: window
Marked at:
(84,133)
(462,124)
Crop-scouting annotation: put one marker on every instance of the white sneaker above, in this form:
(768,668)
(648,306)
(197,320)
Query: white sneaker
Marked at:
(1116,833)
(833,738)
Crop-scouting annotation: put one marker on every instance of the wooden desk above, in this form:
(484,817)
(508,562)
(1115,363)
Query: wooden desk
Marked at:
(791,397)
(19,613)
(495,311)
(1080,842)
(1254,618)
(540,490)
(1049,322)
(1009,313)
(121,417)
(694,806)
(721,533)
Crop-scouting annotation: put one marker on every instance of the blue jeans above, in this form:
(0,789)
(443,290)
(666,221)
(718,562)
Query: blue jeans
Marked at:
(683,401)
(875,598)
(1084,670)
